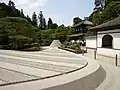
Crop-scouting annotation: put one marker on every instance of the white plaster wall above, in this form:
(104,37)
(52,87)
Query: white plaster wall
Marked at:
(108,52)
(99,40)
(116,45)
(116,40)
(91,43)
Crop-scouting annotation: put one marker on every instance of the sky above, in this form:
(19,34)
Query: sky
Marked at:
(61,11)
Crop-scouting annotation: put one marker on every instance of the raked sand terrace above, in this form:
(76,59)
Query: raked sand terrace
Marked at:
(28,68)
(18,66)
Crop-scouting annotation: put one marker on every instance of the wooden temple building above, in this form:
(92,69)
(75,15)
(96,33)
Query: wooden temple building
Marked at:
(80,30)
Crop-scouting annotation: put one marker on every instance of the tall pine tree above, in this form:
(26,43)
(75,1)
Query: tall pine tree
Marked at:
(22,14)
(50,23)
(29,19)
(42,20)
(34,19)
(11,4)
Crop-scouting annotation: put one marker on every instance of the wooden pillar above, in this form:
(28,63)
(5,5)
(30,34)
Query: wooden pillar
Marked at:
(95,52)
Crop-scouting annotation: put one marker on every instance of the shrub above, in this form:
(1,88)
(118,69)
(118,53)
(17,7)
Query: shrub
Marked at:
(16,33)
(32,49)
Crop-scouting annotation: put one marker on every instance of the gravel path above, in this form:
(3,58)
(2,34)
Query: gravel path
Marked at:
(112,80)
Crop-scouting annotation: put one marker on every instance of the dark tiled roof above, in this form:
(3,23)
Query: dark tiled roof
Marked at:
(83,23)
(76,35)
(113,24)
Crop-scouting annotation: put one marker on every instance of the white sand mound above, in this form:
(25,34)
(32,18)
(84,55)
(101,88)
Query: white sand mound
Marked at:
(55,43)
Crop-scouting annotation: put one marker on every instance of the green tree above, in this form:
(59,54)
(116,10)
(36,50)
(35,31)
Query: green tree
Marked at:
(90,18)
(6,11)
(15,32)
(34,19)
(46,37)
(109,1)
(42,20)
(98,18)
(54,25)
(50,23)
(22,14)
(112,10)
(11,4)
(61,33)
(4,39)
(39,37)
(29,19)
(76,20)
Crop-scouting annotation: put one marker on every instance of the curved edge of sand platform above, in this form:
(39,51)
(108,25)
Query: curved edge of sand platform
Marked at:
(88,78)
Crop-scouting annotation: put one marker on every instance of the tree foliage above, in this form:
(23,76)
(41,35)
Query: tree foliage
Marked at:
(76,20)
(42,21)
(15,32)
(19,32)
(111,11)
(50,23)
(109,1)
(22,14)
(11,4)
(54,26)
(34,19)
(29,19)
(97,18)
(60,33)
(8,11)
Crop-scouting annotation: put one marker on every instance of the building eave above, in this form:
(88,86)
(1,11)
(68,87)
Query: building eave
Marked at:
(110,25)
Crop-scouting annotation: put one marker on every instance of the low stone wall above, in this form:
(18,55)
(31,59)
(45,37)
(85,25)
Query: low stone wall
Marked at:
(74,51)
(108,52)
